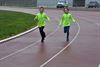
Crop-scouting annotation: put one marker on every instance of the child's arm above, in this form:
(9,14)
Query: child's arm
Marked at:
(72,18)
(47,17)
(61,21)
(36,17)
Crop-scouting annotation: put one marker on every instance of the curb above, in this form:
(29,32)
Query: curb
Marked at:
(18,35)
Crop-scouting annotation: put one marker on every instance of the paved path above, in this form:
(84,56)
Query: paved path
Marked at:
(27,51)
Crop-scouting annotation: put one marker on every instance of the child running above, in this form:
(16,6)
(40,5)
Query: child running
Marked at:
(41,18)
(66,20)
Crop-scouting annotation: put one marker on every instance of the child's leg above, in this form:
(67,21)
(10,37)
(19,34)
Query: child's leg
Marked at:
(68,36)
(42,33)
(66,30)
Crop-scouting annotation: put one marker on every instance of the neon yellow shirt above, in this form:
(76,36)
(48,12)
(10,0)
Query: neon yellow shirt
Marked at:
(66,20)
(41,19)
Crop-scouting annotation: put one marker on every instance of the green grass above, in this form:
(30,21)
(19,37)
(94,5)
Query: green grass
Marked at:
(12,23)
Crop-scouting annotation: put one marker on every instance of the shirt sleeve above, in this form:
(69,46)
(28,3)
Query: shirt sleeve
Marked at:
(47,17)
(36,17)
(61,21)
(72,18)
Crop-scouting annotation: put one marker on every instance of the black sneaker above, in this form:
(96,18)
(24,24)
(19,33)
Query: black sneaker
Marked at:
(42,40)
(67,40)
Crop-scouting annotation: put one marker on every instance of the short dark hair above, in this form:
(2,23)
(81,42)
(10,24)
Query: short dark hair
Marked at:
(41,7)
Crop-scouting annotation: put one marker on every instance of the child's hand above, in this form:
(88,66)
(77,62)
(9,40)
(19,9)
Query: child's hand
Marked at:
(74,20)
(60,24)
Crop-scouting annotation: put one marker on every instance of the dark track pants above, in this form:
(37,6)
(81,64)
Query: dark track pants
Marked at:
(42,32)
(66,30)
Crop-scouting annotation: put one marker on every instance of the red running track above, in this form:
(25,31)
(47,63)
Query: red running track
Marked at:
(27,50)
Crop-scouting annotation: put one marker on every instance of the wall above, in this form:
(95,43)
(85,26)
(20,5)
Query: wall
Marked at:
(25,3)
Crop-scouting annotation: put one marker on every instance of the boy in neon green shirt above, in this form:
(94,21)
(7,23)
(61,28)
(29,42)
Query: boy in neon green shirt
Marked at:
(41,19)
(66,20)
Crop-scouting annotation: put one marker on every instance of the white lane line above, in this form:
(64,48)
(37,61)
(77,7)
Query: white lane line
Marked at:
(13,37)
(89,20)
(99,65)
(62,49)
(28,46)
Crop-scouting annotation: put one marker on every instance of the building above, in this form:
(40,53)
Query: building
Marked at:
(46,3)
(72,3)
